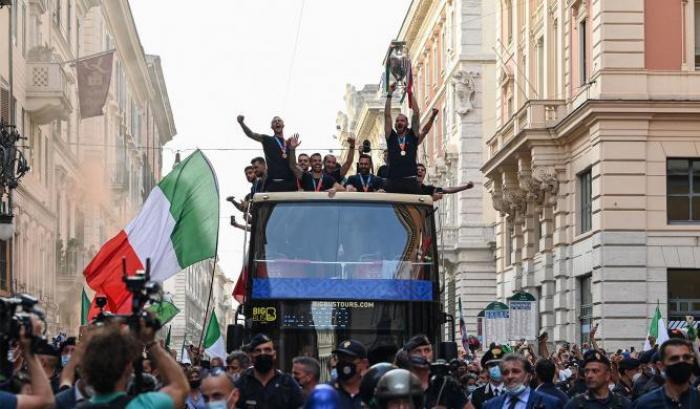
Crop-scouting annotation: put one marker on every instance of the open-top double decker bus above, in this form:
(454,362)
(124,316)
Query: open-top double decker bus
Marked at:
(356,265)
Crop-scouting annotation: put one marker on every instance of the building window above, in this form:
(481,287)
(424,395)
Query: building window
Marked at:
(585,201)
(582,54)
(586,307)
(683,294)
(683,190)
(697,34)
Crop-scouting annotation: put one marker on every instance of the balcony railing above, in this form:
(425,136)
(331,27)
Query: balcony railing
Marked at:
(48,92)
(535,114)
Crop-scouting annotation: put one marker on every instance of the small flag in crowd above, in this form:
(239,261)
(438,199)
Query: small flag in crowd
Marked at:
(84,308)
(165,311)
(463,329)
(657,329)
(214,343)
(176,227)
(184,355)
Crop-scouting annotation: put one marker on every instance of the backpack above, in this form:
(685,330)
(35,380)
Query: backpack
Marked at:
(118,403)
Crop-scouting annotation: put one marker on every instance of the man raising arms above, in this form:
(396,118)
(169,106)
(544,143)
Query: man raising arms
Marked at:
(402,144)
(279,176)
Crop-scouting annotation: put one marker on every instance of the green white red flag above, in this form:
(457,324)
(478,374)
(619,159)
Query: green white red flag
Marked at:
(177,226)
(214,344)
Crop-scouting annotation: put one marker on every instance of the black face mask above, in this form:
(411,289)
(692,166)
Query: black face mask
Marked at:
(346,370)
(263,363)
(679,373)
(419,361)
(194,384)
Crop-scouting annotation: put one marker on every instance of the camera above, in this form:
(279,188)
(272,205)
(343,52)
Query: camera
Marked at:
(366,146)
(16,313)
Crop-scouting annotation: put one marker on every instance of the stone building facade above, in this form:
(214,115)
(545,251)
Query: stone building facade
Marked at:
(89,176)
(449,43)
(592,165)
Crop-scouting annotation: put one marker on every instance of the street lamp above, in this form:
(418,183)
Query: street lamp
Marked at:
(13,166)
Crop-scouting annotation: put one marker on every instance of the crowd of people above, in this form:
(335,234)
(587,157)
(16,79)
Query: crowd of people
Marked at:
(282,170)
(112,366)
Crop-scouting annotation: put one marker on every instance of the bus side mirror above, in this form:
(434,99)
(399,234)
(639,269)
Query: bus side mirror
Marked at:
(234,337)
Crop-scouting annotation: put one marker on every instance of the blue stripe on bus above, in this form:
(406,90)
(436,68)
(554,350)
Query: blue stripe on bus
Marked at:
(316,288)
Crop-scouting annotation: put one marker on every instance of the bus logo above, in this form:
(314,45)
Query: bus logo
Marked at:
(264,314)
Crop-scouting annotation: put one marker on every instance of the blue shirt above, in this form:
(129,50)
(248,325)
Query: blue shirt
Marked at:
(8,400)
(522,400)
(197,403)
(150,400)
(658,399)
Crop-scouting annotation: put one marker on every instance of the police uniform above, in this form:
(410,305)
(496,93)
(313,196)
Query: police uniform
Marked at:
(488,391)
(622,388)
(351,349)
(586,400)
(280,392)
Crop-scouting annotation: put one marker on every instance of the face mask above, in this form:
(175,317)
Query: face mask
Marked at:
(346,370)
(334,374)
(65,359)
(516,390)
(195,383)
(419,361)
(565,374)
(219,404)
(636,376)
(235,376)
(495,373)
(263,363)
(679,373)
(471,388)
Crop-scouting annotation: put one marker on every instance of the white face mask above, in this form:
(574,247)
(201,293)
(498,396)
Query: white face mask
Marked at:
(565,374)
(516,390)
(219,404)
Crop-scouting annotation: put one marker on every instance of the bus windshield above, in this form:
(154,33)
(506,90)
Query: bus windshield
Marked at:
(343,250)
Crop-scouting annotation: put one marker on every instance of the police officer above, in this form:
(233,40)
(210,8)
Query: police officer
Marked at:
(628,368)
(443,391)
(399,388)
(352,364)
(262,386)
(490,361)
(598,395)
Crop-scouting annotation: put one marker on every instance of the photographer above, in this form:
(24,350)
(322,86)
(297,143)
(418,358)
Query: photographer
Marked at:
(41,396)
(441,389)
(109,377)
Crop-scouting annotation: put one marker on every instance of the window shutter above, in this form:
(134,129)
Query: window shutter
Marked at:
(5,104)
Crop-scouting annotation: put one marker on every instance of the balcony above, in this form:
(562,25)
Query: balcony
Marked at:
(534,115)
(48,93)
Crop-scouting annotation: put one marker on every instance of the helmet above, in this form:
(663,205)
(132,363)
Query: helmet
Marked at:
(399,384)
(322,397)
(370,379)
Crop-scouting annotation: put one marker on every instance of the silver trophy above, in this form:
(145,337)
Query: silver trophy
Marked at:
(397,65)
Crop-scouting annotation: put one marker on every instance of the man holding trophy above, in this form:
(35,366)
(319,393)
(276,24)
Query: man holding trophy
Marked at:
(401,140)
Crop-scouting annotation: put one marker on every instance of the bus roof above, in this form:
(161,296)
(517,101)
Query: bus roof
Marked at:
(342,196)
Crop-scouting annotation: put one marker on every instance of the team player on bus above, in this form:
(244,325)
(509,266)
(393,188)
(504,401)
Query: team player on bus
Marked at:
(436,192)
(364,181)
(402,144)
(316,180)
(330,162)
(279,177)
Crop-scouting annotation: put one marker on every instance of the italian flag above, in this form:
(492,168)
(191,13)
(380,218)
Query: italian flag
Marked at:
(214,344)
(657,329)
(177,226)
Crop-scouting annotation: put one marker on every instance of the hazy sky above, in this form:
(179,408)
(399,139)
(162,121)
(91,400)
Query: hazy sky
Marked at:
(222,58)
